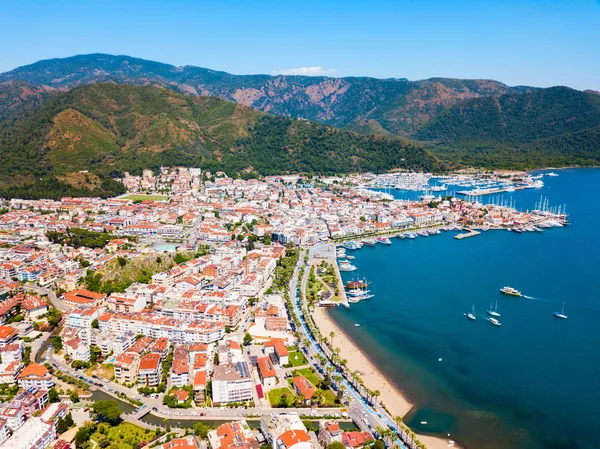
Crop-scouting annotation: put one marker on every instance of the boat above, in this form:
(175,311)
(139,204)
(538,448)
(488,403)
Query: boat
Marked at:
(356,284)
(356,325)
(423,233)
(551,174)
(511,291)
(561,314)
(347,266)
(401,236)
(346,305)
(358,292)
(369,242)
(472,315)
(383,240)
(350,257)
(495,322)
(351,245)
(494,311)
(411,235)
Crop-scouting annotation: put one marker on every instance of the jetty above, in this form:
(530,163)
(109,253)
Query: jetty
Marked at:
(469,233)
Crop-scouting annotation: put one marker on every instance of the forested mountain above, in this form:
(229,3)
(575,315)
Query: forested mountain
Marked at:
(552,127)
(106,129)
(395,106)
(482,123)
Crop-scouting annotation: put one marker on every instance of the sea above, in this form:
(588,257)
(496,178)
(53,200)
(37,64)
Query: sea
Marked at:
(533,382)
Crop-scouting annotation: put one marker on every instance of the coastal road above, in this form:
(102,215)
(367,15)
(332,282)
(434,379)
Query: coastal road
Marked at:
(372,417)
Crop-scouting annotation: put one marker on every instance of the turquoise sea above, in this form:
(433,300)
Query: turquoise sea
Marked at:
(534,382)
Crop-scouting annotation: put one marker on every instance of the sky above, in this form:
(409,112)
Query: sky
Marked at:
(535,43)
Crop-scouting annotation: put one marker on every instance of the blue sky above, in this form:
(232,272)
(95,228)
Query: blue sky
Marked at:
(540,43)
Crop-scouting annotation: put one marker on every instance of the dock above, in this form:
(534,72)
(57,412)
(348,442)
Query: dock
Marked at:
(482,192)
(470,233)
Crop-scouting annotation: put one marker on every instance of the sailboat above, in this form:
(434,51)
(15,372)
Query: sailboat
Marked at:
(471,315)
(494,311)
(561,314)
(495,322)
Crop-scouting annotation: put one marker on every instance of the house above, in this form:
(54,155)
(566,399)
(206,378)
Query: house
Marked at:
(77,349)
(199,386)
(277,346)
(231,383)
(233,435)
(35,375)
(82,298)
(266,371)
(181,395)
(10,371)
(285,431)
(126,367)
(35,306)
(12,352)
(150,370)
(330,432)
(8,334)
(181,443)
(304,388)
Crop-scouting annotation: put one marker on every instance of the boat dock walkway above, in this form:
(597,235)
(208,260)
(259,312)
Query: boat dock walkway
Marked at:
(469,233)
(482,192)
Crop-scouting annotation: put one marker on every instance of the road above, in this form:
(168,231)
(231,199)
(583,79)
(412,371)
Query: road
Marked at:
(56,303)
(364,414)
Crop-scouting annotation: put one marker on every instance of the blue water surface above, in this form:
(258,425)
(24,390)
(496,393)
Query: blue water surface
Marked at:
(534,382)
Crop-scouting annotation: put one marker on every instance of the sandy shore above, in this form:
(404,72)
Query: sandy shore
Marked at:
(391,396)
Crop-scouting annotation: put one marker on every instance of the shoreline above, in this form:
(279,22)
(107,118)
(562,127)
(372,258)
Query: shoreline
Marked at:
(391,395)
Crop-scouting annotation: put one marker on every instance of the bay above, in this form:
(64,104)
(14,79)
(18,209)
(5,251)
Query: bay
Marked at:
(534,382)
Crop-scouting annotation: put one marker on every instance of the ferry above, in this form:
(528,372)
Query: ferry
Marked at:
(561,314)
(495,322)
(384,240)
(369,242)
(494,311)
(472,315)
(511,291)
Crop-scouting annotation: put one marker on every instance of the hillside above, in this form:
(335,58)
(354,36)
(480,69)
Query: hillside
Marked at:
(108,128)
(545,127)
(395,106)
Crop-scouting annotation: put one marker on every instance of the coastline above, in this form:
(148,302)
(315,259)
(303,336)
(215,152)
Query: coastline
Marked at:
(393,398)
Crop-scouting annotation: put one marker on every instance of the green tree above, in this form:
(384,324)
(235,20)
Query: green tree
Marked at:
(69,420)
(336,445)
(61,426)
(247,339)
(95,324)
(56,341)
(107,411)
(74,396)
(53,395)
(200,430)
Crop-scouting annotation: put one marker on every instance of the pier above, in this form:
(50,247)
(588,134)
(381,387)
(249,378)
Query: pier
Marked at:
(482,192)
(469,233)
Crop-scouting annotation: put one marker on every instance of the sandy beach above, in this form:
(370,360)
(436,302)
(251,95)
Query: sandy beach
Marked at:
(391,396)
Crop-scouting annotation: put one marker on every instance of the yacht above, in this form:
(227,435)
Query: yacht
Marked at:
(347,266)
(494,311)
(472,315)
(423,233)
(411,235)
(510,291)
(495,322)
(551,174)
(369,242)
(350,257)
(561,314)
(383,240)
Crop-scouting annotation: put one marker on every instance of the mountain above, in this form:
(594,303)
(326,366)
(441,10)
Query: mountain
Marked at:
(481,123)
(544,127)
(394,106)
(79,138)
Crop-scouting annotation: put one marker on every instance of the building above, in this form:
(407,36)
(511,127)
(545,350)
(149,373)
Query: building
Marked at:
(150,370)
(34,434)
(181,443)
(126,368)
(285,431)
(330,432)
(277,346)
(266,371)
(233,435)
(231,383)
(8,334)
(37,376)
(82,298)
(304,388)
(199,386)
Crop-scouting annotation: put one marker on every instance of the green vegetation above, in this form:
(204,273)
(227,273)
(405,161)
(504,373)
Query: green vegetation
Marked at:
(76,238)
(146,197)
(296,358)
(281,397)
(122,436)
(310,374)
(107,411)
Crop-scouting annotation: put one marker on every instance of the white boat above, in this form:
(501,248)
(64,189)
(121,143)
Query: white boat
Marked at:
(472,315)
(561,314)
(347,266)
(350,257)
(357,325)
(510,291)
(383,240)
(368,242)
(551,174)
(495,322)
(494,311)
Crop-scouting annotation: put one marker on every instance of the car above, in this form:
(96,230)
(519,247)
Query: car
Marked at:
(154,409)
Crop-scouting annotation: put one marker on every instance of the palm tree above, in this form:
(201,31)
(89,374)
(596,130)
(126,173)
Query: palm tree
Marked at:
(331,335)
(376,394)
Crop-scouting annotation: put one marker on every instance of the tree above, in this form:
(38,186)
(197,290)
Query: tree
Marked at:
(74,396)
(336,445)
(200,430)
(247,339)
(57,343)
(69,420)
(378,444)
(61,426)
(53,395)
(95,324)
(331,335)
(107,411)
